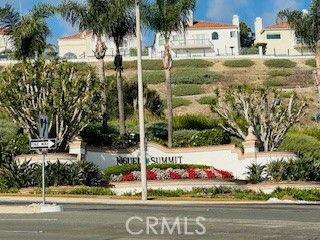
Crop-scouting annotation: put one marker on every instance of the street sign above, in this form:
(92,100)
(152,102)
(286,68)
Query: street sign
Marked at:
(43,126)
(36,144)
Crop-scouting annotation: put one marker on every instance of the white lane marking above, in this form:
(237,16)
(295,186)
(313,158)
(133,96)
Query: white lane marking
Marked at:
(28,219)
(12,231)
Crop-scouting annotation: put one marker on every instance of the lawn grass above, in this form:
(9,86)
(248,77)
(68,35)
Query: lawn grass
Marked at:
(279,73)
(311,62)
(274,82)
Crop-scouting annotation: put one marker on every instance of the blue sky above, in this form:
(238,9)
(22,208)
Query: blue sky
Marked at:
(211,10)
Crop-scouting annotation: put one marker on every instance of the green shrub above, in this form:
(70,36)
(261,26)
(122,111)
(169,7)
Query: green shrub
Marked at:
(164,193)
(194,76)
(263,45)
(181,138)
(302,144)
(206,100)
(210,137)
(280,63)
(16,175)
(311,62)
(238,63)
(153,77)
(255,171)
(157,130)
(285,94)
(253,50)
(313,132)
(279,73)
(274,82)
(297,193)
(88,191)
(193,121)
(187,89)
(133,52)
(177,102)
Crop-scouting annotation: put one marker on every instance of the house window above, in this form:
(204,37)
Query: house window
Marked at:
(233,34)
(70,55)
(273,36)
(215,36)
(200,39)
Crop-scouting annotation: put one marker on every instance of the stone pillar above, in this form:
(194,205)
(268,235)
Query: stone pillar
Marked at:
(250,144)
(78,146)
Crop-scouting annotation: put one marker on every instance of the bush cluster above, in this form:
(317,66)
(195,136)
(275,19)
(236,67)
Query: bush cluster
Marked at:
(177,102)
(193,121)
(14,175)
(302,144)
(311,62)
(274,83)
(280,63)
(187,89)
(301,169)
(238,63)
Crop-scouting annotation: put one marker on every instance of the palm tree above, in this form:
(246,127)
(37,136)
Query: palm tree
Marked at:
(307,29)
(91,16)
(165,17)
(122,24)
(27,33)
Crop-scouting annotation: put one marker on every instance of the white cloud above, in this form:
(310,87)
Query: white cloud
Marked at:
(223,10)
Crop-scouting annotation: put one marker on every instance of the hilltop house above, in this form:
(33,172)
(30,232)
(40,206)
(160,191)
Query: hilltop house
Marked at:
(5,43)
(81,45)
(280,39)
(202,38)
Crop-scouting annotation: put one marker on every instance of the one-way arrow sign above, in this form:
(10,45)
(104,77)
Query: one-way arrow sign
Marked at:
(36,144)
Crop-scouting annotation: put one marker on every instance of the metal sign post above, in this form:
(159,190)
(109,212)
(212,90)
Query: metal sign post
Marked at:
(43,177)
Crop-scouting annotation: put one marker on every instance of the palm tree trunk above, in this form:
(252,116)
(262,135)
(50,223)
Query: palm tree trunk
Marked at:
(167,64)
(103,96)
(99,53)
(317,73)
(118,66)
(121,104)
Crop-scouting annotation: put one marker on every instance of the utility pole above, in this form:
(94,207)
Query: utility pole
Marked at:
(141,106)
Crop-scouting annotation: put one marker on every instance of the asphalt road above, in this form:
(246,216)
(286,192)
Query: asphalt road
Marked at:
(102,221)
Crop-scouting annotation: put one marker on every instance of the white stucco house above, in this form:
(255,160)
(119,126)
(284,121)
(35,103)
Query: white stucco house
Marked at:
(5,43)
(81,45)
(202,38)
(280,39)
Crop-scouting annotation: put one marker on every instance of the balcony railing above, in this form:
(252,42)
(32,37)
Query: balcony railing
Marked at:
(191,44)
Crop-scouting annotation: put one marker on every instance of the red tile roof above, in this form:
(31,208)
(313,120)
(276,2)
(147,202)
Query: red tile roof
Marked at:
(76,36)
(3,30)
(280,25)
(197,24)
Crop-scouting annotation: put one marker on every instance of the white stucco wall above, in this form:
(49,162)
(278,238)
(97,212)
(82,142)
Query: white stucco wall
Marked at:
(221,46)
(224,157)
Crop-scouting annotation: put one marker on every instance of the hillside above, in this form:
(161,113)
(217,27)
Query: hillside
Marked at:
(298,79)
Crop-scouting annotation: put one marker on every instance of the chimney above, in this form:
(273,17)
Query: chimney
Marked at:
(235,20)
(258,28)
(190,18)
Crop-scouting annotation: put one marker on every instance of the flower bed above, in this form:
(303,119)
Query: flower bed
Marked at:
(170,174)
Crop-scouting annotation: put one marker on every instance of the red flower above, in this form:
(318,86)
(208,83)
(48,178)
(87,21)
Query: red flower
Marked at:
(174,175)
(209,173)
(151,175)
(128,177)
(192,173)
(224,174)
